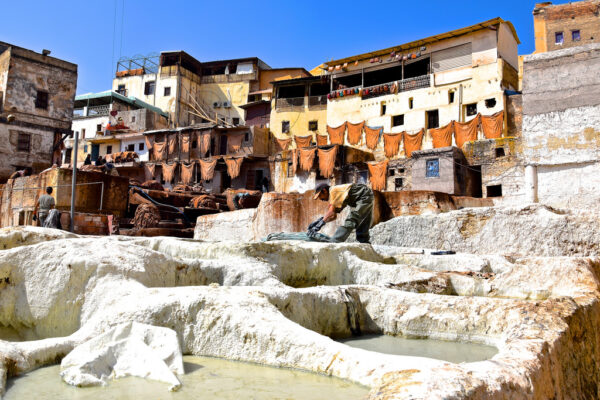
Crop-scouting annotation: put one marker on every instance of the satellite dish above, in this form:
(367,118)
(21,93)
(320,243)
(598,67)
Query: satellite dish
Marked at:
(114,113)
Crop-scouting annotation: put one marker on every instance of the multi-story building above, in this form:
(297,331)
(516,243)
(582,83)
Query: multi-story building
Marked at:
(417,90)
(560,26)
(95,112)
(36,108)
(195,92)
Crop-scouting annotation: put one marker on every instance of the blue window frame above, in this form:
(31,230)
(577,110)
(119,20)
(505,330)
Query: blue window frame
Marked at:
(432,168)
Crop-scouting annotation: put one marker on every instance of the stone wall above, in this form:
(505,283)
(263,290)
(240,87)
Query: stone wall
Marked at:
(561,124)
(24,73)
(579,15)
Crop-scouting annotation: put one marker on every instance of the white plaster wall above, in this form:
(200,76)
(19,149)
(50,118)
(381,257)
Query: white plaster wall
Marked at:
(89,124)
(136,142)
(570,186)
(562,137)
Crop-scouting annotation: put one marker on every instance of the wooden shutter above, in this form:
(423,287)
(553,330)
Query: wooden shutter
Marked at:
(454,57)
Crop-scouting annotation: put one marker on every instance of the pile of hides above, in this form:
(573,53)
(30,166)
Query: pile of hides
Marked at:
(122,157)
(212,201)
(128,349)
(152,185)
(146,216)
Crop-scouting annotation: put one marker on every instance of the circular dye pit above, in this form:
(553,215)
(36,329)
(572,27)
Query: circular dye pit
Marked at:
(205,378)
(455,352)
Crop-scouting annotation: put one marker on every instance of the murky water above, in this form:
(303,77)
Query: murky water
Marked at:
(455,352)
(205,378)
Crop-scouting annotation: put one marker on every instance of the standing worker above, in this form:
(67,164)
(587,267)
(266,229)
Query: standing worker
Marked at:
(355,195)
(45,203)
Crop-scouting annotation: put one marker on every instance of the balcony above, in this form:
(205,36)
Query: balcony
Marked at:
(229,78)
(405,85)
(93,111)
(290,103)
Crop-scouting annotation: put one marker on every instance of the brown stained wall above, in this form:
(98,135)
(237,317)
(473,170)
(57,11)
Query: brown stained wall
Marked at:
(514,115)
(16,202)
(581,15)
(416,202)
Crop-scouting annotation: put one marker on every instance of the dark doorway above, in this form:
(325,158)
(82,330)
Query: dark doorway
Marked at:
(223,145)
(95,151)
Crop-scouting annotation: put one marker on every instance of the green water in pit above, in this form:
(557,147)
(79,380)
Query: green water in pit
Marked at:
(205,378)
(455,352)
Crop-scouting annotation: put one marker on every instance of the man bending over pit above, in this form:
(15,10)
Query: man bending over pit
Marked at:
(355,195)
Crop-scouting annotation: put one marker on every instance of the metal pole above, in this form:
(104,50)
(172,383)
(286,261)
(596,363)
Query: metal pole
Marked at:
(74,181)
(101,196)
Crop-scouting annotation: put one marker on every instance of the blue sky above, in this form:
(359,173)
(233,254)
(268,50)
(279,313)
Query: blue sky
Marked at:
(282,33)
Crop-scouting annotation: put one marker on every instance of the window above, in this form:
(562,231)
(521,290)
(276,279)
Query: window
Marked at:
(290,170)
(194,144)
(246,136)
(451,96)
(313,125)
(82,133)
(411,103)
(131,147)
(559,38)
(85,148)
(140,146)
(133,118)
(121,90)
(576,35)
(494,191)
(41,100)
(391,172)
(235,121)
(500,152)
(490,103)
(401,171)
(99,128)
(398,182)
(167,91)
(149,88)
(433,119)
(471,109)
(109,149)
(432,168)
(24,142)
(398,120)
(285,126)
(383,108)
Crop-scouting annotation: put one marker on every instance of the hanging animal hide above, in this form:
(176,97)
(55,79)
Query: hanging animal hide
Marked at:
(149,171)
(466,131)
(234,143)
(159,151)
(187,173)
(355,132)
(336,135)
(378,174)
(283,144)
(327,161)
(168,172)
(391,144)
(307,158)
(149,140)
(294,154)
(412,142)
(233,166)
(185,143)
(321,140)
(492,125)
(207,169)
(372,135)
(442,137)
(303,141)
(172,140)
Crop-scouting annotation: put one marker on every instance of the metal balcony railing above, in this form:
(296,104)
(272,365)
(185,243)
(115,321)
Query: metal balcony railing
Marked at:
(290,102)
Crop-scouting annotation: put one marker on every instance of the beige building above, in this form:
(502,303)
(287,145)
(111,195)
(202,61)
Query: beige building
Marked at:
(36,107)
(431,82)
